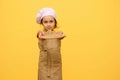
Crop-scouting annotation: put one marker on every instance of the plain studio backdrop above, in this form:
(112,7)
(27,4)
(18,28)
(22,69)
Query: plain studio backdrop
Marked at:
(91,50)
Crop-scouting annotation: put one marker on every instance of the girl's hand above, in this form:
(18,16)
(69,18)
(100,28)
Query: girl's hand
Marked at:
(60,35)
(41,35)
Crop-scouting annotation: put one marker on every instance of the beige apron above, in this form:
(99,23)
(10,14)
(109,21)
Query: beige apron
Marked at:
(50,64)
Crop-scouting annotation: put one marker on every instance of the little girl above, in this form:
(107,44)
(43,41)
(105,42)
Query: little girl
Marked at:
(50,64)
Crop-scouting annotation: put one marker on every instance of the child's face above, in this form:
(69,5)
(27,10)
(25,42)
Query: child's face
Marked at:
(48,22)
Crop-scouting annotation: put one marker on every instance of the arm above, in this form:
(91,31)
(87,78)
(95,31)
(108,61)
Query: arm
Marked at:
(60,35)
(40,35)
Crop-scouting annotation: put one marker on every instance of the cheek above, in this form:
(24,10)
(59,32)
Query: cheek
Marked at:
(44,24)
(53,24)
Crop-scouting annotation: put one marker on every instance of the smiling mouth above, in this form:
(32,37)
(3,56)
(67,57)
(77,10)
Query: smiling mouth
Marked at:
(49,27)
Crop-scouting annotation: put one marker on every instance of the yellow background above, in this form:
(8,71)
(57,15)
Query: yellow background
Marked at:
(91,50)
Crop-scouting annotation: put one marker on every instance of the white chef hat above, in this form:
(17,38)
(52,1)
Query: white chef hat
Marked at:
(45,12)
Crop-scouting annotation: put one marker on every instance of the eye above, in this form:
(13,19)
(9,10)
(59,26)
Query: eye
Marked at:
(45,21)
(51,21)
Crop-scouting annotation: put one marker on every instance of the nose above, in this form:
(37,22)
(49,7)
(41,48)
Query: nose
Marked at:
(49,25)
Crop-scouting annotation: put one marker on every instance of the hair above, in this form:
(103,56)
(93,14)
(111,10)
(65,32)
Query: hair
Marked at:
(54,19)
